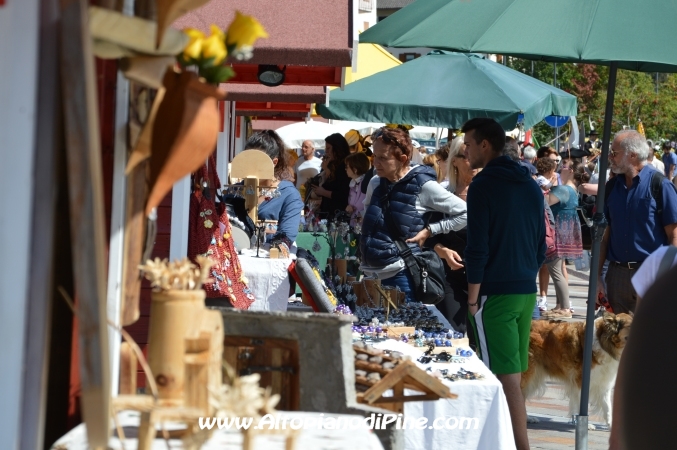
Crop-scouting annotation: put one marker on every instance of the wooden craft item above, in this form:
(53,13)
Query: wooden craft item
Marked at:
(196,360)
(341,266)
(142,148)
(173,315)
(147,70)
(87,219)
(252,166)
(134,242)
(405,375)
(276,360)
(202,362)
(170,10)
(366,292)
(274,253)
(117,35)
(184,132)
(128,368)
(251,197)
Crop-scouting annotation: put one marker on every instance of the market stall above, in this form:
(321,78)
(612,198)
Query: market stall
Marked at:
(268,278)
(478,419)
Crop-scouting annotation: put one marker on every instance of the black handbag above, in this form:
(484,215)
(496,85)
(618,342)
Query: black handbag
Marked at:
(426,268)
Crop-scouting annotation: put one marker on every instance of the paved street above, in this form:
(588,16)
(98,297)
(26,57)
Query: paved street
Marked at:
(555,430)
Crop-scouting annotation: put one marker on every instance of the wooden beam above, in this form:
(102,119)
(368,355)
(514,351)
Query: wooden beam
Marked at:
(87,216)
(272,106)
(296,75)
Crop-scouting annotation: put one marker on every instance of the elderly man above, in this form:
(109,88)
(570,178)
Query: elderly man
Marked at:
(307,166)
(641,208)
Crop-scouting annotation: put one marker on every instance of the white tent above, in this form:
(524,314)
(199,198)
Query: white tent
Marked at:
(293,135)
(365,128)
(427,133)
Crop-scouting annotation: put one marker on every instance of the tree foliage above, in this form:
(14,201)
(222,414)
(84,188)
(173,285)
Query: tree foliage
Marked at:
(649,97)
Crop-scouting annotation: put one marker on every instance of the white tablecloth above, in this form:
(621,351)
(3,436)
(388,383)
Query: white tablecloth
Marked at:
(268,279)
(312,438)
(481,399)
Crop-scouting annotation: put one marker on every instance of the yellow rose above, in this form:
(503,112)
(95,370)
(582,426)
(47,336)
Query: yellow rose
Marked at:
(194,47)
(216,31)
(243,32)
(214,47)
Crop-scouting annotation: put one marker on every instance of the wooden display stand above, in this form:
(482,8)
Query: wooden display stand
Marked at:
(252,166)
(405,375)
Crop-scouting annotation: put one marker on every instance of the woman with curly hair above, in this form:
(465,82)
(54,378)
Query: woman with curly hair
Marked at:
(414,195)
(336,187)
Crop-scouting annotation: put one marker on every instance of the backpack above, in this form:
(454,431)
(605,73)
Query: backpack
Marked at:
(656,191)
(550,239)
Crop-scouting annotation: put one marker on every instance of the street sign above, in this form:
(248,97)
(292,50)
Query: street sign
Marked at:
(556,121)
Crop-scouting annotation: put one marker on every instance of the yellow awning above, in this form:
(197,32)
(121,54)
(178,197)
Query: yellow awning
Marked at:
(371,59)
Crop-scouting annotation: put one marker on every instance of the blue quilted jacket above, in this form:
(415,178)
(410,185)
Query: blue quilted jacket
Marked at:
(376,245)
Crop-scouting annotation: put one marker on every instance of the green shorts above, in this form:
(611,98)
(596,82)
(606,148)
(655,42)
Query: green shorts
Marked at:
(502,325)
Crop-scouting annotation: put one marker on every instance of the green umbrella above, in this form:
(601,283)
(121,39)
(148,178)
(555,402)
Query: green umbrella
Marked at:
(445,89)
(633,33)
(628,34)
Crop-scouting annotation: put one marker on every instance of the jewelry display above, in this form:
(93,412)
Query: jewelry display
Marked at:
(414,315)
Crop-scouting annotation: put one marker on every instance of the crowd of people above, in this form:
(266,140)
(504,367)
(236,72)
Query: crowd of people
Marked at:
(502,215)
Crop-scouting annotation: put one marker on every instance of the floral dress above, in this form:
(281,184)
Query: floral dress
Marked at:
(567,225)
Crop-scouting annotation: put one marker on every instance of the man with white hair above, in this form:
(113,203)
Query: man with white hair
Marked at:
(529,154)
(641,209)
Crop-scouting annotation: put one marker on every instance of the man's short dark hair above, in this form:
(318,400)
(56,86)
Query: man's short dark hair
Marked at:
(488,129)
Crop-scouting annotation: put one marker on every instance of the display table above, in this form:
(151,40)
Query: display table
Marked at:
(268,279)
(481,399)
(312,438)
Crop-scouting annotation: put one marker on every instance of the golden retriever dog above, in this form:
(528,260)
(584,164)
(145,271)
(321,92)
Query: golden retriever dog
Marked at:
(556,353)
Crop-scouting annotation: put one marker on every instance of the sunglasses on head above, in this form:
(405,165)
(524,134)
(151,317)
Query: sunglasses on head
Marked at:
(380,134)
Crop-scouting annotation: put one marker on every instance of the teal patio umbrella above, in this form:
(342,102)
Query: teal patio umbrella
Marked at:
(635,34)
(445,89)
(628,34)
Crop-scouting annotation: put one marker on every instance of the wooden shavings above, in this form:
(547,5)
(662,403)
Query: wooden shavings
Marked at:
(177,275)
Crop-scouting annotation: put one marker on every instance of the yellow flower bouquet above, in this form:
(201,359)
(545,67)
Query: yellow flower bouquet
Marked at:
(208,53)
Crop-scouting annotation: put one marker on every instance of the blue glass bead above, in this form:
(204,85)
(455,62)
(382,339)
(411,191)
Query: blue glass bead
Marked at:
(438,342)
(405,340)
(447,343)
(379,329)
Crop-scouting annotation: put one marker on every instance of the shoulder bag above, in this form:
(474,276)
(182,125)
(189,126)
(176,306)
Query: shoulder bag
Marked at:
(426,268)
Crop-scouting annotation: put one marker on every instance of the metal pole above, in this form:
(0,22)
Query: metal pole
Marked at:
(554,83)
(598,227)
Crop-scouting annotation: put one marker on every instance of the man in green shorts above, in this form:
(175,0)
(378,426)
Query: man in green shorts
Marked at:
(505,249)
